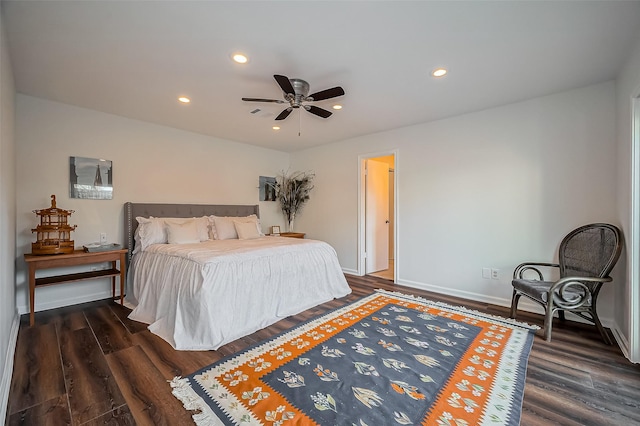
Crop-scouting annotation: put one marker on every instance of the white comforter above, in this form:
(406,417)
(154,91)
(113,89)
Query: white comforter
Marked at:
(202,296)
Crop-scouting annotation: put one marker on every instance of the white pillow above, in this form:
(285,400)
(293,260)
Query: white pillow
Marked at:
(185,233)
(223,227)
(153,230)
(246,230)
(202,224)
(150,231)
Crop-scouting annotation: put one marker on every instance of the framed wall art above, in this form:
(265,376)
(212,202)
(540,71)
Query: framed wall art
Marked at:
(90,178)
(267,187)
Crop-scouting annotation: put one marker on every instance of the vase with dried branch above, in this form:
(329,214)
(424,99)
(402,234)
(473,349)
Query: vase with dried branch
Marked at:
(292,192)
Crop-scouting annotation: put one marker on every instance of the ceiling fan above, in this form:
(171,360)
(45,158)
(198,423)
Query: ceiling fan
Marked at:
(296,91)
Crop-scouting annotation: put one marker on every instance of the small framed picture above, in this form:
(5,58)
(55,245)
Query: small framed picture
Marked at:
(275,230)
(267,188)
(90,178)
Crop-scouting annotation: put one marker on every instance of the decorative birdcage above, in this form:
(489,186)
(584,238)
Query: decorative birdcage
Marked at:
(54,232)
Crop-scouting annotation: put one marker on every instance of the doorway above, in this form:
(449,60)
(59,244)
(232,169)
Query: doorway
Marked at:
(378,230)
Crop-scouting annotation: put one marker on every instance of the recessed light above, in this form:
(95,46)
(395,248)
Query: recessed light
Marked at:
(184,99)
(276,127)
(439,72)
(240,58)
(337,106)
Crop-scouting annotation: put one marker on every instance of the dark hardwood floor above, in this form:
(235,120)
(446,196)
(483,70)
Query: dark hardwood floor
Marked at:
(90,365)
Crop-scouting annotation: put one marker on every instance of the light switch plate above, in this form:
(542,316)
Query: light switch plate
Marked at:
(486,273)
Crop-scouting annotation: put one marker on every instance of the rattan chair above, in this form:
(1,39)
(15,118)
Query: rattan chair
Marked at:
(586,257)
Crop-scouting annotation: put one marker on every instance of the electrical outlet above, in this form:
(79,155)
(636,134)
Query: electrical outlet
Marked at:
(495,273)
(103,238)
(486,273)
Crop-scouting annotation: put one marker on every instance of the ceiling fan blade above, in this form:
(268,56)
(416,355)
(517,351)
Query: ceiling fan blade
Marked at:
(326,94)
(285,84)
(277,101)
(318,111)
(284,114)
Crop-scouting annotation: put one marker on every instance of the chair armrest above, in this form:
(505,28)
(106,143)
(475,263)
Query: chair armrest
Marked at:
(566,280)
(578,293)
(531,266)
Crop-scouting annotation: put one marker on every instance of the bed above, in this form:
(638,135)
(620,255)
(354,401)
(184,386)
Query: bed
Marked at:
(200,295)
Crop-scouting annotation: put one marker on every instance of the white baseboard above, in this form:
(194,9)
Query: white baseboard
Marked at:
(457,293)
(5,385)
(524,305)
(58,303)
(622,341)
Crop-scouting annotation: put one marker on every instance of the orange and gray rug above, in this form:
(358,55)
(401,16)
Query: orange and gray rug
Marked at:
(387,358)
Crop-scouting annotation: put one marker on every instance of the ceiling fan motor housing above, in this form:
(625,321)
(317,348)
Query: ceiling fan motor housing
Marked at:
(301,89)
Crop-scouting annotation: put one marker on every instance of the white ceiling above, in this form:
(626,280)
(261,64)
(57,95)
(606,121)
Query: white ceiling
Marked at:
(134,58)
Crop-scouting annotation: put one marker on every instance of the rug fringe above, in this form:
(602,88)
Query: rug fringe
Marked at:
(191,401)
(462,308)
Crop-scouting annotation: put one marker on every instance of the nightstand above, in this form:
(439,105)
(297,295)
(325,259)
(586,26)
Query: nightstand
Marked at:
(77,258)
(292,234)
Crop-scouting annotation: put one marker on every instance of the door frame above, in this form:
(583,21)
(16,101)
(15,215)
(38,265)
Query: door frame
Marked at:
(634,243)
(362,210)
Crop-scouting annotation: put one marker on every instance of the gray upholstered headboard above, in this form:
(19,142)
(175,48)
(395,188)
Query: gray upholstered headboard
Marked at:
(133,210)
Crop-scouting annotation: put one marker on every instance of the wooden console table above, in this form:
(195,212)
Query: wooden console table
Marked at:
(77,258)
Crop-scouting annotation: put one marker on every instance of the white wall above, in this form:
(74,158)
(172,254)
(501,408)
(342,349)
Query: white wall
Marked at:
(151,163)
(627,88)
(488,189)
(8,314)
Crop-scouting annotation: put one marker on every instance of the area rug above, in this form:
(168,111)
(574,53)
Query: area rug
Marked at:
(385,359)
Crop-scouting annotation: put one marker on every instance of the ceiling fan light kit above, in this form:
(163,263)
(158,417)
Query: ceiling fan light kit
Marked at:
(296,93)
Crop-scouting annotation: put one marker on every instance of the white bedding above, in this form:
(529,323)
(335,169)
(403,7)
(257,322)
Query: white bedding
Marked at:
(204,295)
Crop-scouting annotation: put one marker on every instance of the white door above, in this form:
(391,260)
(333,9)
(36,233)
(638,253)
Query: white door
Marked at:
(377,216)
